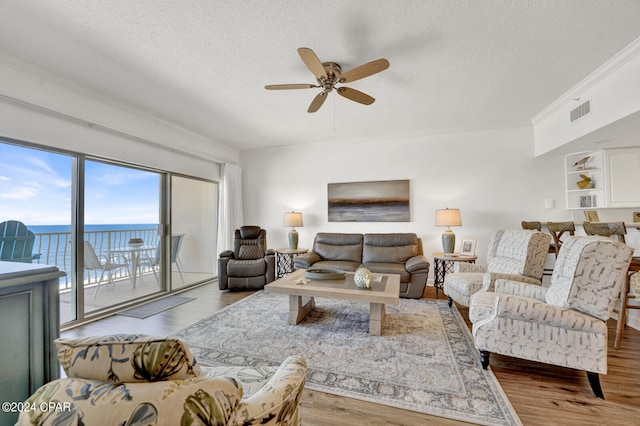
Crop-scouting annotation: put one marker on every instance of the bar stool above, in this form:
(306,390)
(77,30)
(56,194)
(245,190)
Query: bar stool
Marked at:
(557,230)
(618,230)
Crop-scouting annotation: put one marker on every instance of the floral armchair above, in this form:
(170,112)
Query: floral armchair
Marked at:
(564,324)
(513,254)
(146,380)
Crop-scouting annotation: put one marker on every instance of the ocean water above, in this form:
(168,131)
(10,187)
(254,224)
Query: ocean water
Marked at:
(42,229)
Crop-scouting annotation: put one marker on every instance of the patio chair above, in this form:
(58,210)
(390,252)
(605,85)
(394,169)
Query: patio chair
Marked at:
(16,242)
(153,262)
(93,263)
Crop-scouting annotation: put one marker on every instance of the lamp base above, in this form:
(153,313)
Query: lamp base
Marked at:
(293,239)
(448,241)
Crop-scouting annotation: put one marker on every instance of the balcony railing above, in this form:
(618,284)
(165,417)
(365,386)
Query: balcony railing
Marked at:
(55,249)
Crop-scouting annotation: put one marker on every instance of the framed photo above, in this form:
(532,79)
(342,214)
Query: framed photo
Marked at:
(468,247)
(636,216)
(591,216)
(374,201)
(587,200)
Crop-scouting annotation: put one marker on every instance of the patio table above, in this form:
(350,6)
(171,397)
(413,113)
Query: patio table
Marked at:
(133,253)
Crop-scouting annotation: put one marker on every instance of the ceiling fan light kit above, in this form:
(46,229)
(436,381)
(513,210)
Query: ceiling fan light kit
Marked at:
(329,74)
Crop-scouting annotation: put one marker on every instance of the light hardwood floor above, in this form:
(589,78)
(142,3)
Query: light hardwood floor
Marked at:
(541,394)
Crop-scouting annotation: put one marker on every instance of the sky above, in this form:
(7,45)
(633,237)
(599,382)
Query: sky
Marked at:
(36,189)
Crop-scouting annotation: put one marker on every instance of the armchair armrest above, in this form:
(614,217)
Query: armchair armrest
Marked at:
(518,288)
(416,263)
(304,261)
(270,252)
(279,398)
(489,279)
(531,310)
(469,267)
(226,254)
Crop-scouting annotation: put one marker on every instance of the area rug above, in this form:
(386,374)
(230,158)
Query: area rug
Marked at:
(424,361)
(155,307)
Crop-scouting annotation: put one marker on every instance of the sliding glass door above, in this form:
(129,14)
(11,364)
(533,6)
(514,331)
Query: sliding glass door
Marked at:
(194,209)
(122,245)
(36,189)
(121,233)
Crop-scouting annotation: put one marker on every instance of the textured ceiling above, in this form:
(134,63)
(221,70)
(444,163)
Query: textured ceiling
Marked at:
(202,64)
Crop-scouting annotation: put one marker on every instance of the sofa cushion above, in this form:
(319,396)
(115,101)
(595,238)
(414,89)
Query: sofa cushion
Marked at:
(343,265)
(333,246)
(198,400)
(246,268)
(389,268)
(389,248)
(127,358)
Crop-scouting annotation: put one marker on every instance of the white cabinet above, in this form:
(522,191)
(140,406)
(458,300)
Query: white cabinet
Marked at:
(622,185)
(613,177)
(29,314)
(579,167)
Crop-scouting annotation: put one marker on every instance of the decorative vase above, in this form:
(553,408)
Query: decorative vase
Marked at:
(363,278)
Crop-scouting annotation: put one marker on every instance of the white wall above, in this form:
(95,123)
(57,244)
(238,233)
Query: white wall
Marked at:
(491,176)
(614,92)
(42,108)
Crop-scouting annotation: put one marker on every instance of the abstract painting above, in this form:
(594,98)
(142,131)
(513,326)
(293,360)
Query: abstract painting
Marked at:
(376,201)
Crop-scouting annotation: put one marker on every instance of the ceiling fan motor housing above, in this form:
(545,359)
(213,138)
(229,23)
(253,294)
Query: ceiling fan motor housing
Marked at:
(333,71)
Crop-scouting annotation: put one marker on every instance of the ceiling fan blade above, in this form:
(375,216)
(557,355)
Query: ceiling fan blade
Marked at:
(355,95)
(312,62)
(365,70)
(289,86)
(317,102)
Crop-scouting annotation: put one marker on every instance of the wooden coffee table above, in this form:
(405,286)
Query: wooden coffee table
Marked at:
(384,291)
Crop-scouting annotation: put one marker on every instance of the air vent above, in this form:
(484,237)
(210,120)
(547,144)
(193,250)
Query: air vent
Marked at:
(580,111)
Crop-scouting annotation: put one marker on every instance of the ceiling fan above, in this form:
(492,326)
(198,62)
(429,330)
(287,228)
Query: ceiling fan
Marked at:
(329,75)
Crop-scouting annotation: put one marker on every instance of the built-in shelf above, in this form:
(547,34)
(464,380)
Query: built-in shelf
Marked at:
(614,174)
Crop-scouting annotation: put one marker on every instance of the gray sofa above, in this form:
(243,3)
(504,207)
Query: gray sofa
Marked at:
(384,253)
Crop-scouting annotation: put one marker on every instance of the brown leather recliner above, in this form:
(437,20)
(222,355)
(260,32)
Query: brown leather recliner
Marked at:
(250,265)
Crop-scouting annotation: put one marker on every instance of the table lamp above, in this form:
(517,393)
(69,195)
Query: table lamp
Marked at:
(448,217)
(293,219)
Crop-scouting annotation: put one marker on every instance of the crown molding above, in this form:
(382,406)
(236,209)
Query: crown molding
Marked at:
(603,71)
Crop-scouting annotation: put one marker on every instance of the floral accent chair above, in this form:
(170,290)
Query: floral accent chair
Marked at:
(513,254)
(564,324)
(148,380)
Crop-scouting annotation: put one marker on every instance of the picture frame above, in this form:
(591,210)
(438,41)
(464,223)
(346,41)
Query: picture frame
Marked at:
(591,216)
(370,201)
(587,201)
(468,247)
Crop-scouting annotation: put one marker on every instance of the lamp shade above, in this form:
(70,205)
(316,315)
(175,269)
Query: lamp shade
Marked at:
(292,219)
(448,217)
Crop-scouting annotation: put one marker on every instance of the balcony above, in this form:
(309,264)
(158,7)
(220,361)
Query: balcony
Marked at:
(123,287)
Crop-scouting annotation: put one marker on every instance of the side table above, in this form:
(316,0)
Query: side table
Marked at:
(284,260)
(444,262)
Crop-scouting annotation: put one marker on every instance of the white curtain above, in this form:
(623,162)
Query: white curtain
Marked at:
(230,205)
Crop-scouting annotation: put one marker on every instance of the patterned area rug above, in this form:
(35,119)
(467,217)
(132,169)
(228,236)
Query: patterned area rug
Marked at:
(424,361)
